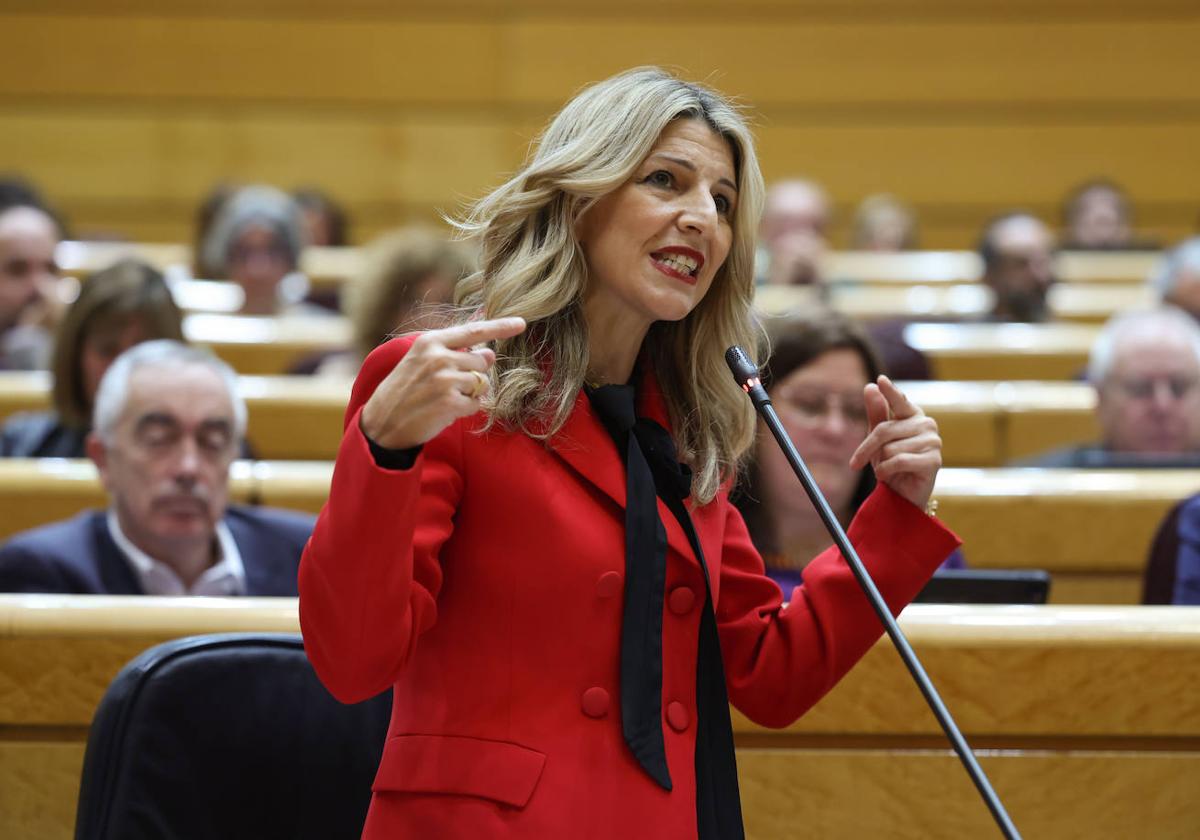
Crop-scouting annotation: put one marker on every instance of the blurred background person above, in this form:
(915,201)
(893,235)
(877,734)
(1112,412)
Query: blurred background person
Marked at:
(884,223)
(255,241)
(407,282)
(29,302)
(325,222)
(793,234)
(819,363)
(1097,216)
(1177,277)
(1145,367)
(117,308)
(206,213)
(1017,250)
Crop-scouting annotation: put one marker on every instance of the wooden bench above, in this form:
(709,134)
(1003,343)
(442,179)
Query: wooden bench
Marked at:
(289,417)
(1073,745)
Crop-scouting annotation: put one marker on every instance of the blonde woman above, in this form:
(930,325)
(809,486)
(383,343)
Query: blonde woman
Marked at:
(528,535)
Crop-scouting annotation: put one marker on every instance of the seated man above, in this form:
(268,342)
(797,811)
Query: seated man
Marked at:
(166,427)
(1145,367)
(794,234)
(1018,266)
(29,306)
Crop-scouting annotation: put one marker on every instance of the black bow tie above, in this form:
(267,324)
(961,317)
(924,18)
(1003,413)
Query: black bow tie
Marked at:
(652,470)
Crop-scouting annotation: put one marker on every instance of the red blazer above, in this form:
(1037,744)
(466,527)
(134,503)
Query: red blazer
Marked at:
(485,584)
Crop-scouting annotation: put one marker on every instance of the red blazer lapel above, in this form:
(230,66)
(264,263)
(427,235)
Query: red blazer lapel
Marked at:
(588,449)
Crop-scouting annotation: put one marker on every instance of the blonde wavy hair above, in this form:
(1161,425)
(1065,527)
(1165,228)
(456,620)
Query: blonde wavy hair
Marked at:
(532,265)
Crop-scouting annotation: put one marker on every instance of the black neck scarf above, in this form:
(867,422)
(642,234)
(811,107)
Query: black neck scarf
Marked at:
(653,470)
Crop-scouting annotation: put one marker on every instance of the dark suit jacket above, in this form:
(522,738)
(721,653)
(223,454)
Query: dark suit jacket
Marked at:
(78,556)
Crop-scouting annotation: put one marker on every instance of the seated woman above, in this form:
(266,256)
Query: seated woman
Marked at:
(255,240)
(819,364)
(118,307)
(407,280)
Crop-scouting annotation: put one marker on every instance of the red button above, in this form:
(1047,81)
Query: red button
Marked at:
(677,716)
(681,600)
(609,585)
(595,702)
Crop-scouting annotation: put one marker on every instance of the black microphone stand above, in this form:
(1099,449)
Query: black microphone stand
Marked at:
(746,374)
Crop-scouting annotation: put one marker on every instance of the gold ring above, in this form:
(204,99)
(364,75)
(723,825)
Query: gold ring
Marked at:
(480,387)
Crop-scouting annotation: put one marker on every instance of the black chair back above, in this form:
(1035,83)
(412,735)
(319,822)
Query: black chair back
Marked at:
(228,736)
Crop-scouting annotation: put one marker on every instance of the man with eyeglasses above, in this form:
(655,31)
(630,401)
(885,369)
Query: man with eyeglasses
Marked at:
(167,425)
(1145,367)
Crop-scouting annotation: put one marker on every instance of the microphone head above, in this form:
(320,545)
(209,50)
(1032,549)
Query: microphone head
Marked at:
(743,367)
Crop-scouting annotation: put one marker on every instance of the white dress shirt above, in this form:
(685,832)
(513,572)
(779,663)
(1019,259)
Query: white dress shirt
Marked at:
(227,576)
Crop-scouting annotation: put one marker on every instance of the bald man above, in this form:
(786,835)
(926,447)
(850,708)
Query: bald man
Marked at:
(28,274)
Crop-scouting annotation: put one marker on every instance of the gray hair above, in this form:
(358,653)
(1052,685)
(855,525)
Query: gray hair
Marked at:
(113,392)
(1166,321)
(1183,257)
(261,205)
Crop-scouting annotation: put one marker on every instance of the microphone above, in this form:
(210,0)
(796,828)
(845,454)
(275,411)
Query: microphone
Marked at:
(745,373)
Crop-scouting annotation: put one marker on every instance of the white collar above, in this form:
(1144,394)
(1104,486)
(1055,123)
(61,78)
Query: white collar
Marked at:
(227,576)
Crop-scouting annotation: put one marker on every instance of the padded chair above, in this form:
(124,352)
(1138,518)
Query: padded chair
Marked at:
(228,736)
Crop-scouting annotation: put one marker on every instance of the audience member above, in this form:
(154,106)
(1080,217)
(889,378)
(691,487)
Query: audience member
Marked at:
(167,424)
(1018,266)
(793,234)
(1172,574)
(206,213)
(255,241)
(408,278)
(818,366)
(1177,277)
(117,308)
(324,220)
(29,304)
(1145,367)
(884,223)
(1097,216)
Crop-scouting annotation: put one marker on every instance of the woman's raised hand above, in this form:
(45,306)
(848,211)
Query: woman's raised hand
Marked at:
(441,378)
(903,445)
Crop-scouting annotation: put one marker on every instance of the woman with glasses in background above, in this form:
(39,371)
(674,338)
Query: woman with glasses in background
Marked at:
(819,364)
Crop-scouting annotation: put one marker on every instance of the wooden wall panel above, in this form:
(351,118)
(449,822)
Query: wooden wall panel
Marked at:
(127,111)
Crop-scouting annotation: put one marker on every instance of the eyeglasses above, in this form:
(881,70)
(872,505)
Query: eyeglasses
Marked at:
(815,405)
(1148,387)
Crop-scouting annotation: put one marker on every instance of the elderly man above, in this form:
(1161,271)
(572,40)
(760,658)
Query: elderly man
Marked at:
(28,273)
(1018,266)
(794,233)
(1145,367)
(167,423)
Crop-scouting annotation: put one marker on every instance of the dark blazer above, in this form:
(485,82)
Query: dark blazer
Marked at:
(41,434)
(78,556)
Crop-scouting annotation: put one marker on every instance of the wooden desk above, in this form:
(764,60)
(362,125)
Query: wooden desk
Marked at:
(1091,529)
(258,345)
(1004,351)
(986,424)
(288,416)
(1087,303)
(1073,745)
